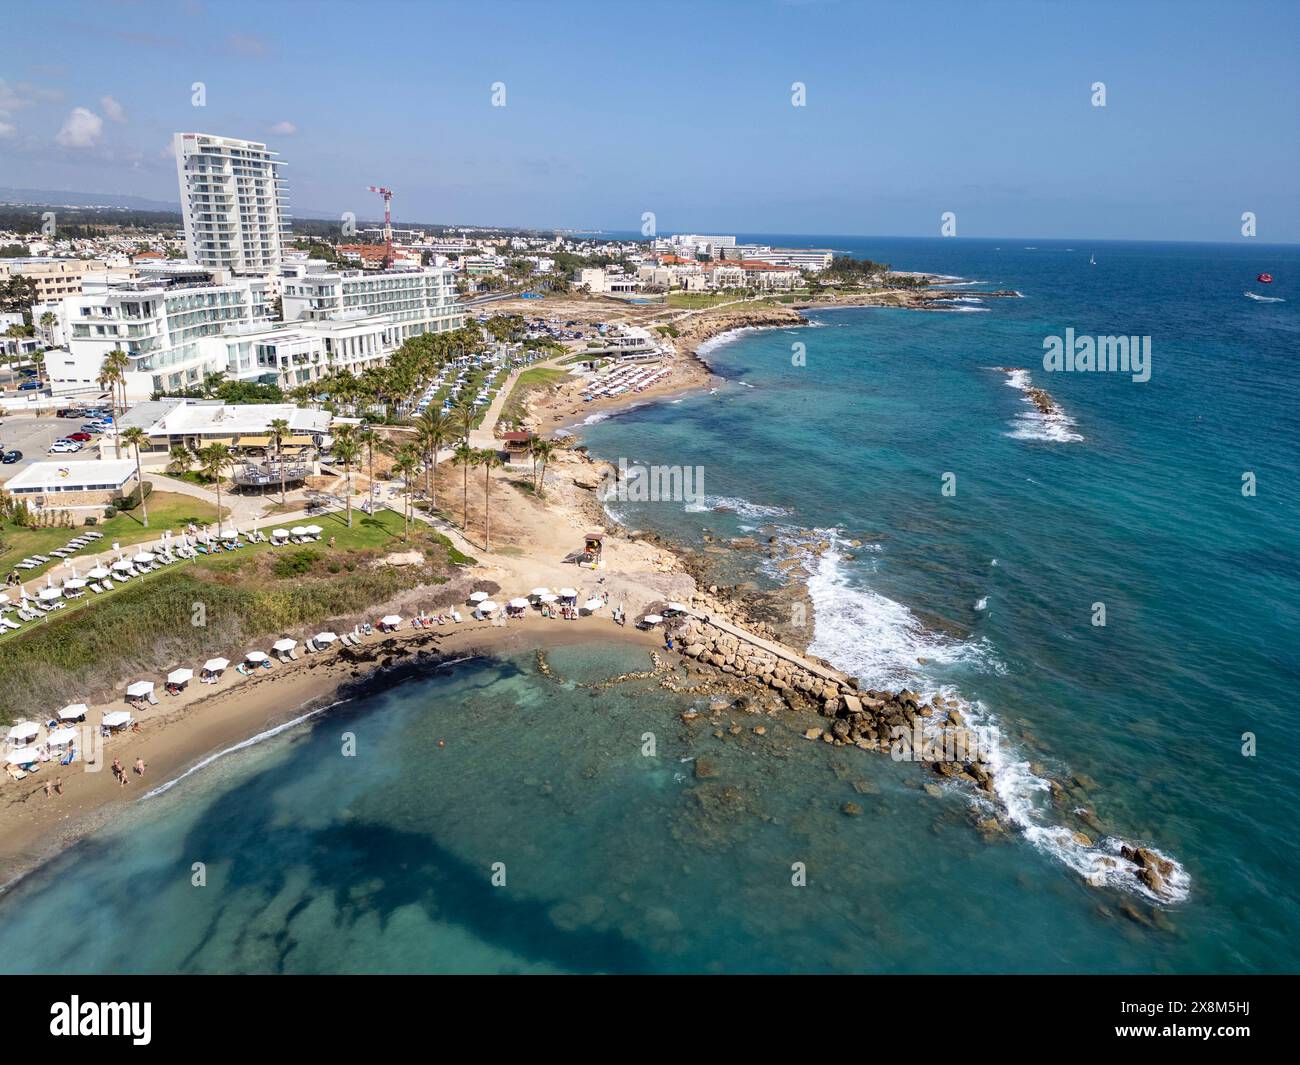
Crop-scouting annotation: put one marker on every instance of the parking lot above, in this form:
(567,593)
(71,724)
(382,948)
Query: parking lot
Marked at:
(33,436)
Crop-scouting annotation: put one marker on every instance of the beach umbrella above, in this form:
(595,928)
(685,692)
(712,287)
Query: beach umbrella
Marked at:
(143,558)
(72,711)
(487,606)
(678,608)
(98,573)
(116,718)
(298,530)
(549,597)
(61,737)
(315,530)
(594,603)
(49,594)
(325,637)
(255,656)
(477,597)
(23,731)
(180,676)
(540,591)
(122,563)
(215,665)
(74,584)
(391,619)
(139,689)
(568,593)
(284,645)
(518,604)
(23,756)
(652,619)
(233,534)
(279,534)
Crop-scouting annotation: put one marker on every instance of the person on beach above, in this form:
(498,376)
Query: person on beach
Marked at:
(140,766)
(58,785)
(48,787)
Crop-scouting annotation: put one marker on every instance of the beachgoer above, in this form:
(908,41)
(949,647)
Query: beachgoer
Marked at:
(48,786)
(140,766)
(58,785)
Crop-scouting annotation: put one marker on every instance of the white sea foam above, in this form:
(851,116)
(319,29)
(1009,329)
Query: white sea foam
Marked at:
(880,642)
(1263,299)
(743,507)
(1055,426)
(982,603)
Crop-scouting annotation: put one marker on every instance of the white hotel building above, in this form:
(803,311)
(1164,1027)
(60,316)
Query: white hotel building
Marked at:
(178,323)
(232,202)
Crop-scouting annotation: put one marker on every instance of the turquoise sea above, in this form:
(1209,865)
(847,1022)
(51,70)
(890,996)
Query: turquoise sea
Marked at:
(618,861)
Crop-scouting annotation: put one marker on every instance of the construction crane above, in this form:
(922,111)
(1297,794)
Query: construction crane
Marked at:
(387,194)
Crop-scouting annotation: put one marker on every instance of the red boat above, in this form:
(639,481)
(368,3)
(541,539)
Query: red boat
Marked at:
(1266,278)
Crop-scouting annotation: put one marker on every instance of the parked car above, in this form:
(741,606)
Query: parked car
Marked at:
(91,427)
(70,412)
(64,447)
(10,457)
(81,438)
(28,386)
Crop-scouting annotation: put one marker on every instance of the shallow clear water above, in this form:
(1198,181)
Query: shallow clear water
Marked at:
(616,861)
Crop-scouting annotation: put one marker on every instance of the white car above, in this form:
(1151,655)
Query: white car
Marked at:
(64,447)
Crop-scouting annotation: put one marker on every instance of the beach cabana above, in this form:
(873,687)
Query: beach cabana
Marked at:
(23,732)
(324,639)
(593,604)
(214,666)
(48,595)
(486,609)
(478,597)
(255,658)
(279,536)
(62,737)
(180,677)
(23,756)
(141,689)
(593,546)
(389,622)
(284,646)
(116,719)
(73,712)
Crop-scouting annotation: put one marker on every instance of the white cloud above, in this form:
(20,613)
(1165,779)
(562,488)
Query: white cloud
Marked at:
(113,110)
(284,129)
(81,129)
(7,129)
(18,95)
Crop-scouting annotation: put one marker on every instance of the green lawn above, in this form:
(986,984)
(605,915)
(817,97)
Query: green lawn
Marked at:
(532,380)
(383,530)
(167,510)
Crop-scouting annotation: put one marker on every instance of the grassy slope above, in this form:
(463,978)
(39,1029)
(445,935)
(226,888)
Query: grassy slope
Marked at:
(236,598)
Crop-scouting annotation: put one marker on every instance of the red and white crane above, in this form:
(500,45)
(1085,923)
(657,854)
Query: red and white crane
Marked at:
(387,194)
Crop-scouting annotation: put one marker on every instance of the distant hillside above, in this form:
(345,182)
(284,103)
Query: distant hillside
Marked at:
(53,198)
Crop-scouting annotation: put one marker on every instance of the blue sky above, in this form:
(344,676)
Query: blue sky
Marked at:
(684,109)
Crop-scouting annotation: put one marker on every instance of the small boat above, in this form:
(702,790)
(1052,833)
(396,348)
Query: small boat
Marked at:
(1266,278)
(1092,260)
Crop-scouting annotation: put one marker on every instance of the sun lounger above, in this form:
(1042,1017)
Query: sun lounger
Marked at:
(96,588)
(293,654)
(11,625)
(241,668)
(108,585)
(310,647)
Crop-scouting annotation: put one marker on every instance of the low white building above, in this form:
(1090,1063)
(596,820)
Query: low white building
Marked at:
(88,484)
(196,423)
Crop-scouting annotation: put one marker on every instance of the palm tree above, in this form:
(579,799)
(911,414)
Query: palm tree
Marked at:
(489,460)
(432,430)
(347,452)
(180,459)
(213,461)
(368,438)
(48,319)
(279,426)
(542,451)
(464,457)
(112,376)
(135,436)
(408,461)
